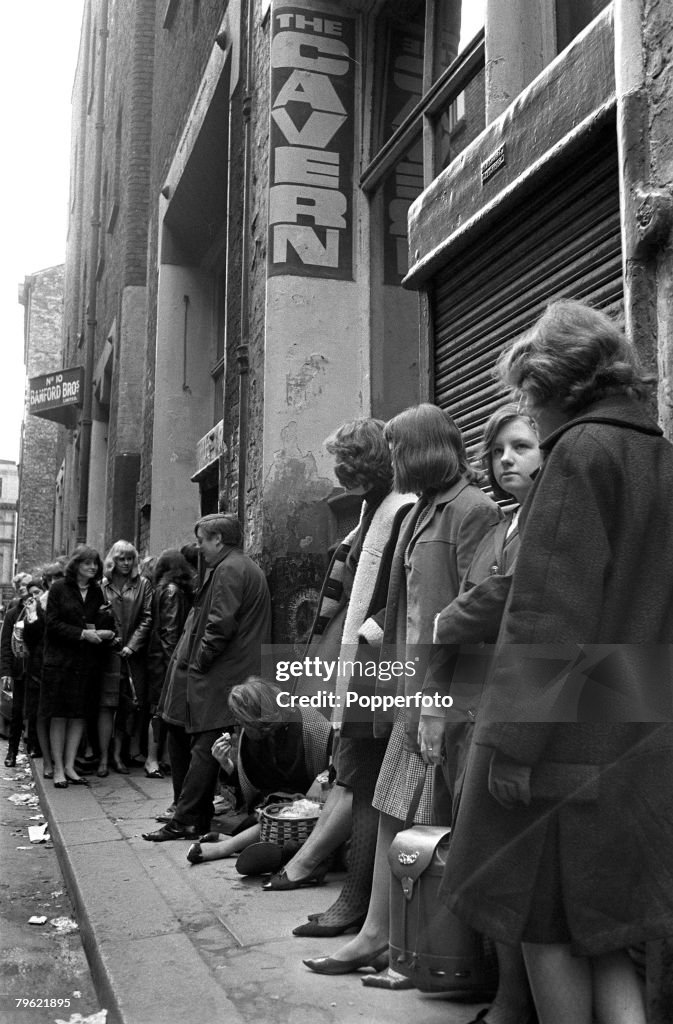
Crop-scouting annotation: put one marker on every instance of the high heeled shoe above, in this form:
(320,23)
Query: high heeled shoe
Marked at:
(281,883)
(315,929)
(378,961)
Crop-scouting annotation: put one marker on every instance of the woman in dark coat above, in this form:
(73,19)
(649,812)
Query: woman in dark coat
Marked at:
(78,629)
(171,601)
(565,831)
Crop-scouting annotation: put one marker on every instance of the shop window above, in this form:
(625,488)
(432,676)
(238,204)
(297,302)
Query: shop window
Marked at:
(429,103)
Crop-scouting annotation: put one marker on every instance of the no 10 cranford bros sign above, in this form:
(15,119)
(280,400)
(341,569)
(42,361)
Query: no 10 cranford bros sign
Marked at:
(312,144)
(50,394)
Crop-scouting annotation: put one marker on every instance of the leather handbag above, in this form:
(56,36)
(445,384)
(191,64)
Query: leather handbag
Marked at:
(428,944)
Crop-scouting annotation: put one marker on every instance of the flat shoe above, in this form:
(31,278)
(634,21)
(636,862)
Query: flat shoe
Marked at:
(48,774)
(391,982)
(281,883)
(102,773)
(156,774)
(328,965)
(10,761)
(326,931)
(120,768)
(61,785)
(77,782)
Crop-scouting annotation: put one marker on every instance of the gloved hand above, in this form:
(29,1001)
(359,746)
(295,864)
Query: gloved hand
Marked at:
(509,781)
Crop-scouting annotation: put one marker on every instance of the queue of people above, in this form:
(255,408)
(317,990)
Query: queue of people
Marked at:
(544,613)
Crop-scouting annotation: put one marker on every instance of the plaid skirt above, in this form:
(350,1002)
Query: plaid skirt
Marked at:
(400,774)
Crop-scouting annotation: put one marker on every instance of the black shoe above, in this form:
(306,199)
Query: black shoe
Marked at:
(172,830)
(326,931)
(328,965)
(10,760)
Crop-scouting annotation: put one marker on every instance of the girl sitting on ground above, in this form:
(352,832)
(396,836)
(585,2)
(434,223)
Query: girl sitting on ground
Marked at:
(279,750)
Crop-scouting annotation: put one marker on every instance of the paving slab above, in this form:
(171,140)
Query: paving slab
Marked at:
(171,943)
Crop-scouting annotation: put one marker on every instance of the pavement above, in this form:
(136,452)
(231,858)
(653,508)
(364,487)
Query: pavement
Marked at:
(171,943)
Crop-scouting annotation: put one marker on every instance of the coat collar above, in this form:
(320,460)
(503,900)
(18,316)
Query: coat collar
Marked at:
(226,550)
(437,503)
(614,410)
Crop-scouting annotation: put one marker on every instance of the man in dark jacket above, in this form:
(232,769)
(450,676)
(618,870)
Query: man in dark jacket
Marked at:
(220,646)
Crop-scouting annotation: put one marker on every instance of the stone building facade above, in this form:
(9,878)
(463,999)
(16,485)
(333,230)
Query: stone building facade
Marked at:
(42,440)
(242,275)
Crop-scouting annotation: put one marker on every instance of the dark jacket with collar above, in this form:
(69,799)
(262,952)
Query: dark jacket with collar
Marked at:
(225,631)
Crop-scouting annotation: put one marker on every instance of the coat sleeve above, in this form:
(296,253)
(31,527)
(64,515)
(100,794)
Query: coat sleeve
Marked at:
(7,657)
(171,603)
(228,587)
(140,635)
(556,597)
(474,525)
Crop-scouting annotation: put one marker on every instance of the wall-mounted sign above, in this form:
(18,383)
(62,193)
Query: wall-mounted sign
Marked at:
(55,396)
(492,165)
(208,449)
(312,143)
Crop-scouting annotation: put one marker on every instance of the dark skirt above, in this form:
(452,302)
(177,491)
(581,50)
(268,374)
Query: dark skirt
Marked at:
(358,763)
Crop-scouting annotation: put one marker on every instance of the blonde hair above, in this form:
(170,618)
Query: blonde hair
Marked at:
(118,548)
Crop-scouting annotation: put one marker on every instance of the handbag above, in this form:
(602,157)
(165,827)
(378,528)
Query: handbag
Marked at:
(128,700)
(428,944)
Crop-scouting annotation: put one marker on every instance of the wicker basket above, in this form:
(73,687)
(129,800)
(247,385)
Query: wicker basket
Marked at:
(283,830)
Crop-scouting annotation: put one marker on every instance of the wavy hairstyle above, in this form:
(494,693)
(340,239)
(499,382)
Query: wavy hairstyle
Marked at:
(574,355)
(121,547)
(500,418)
(79,555)
(427,449)
(172,567)
(362,456)
(254,703)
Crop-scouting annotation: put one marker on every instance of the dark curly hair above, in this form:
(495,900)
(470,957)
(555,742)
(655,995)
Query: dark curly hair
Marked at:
(428,450)
(574,355)
(79,555)
(361,453)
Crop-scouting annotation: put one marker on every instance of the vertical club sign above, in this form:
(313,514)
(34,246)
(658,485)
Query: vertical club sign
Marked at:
(312,144)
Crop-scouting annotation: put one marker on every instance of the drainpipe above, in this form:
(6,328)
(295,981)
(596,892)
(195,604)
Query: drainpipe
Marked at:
(87,408)
(243,348)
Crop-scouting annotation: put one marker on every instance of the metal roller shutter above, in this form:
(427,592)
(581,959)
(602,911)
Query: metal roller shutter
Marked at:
(564,240)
